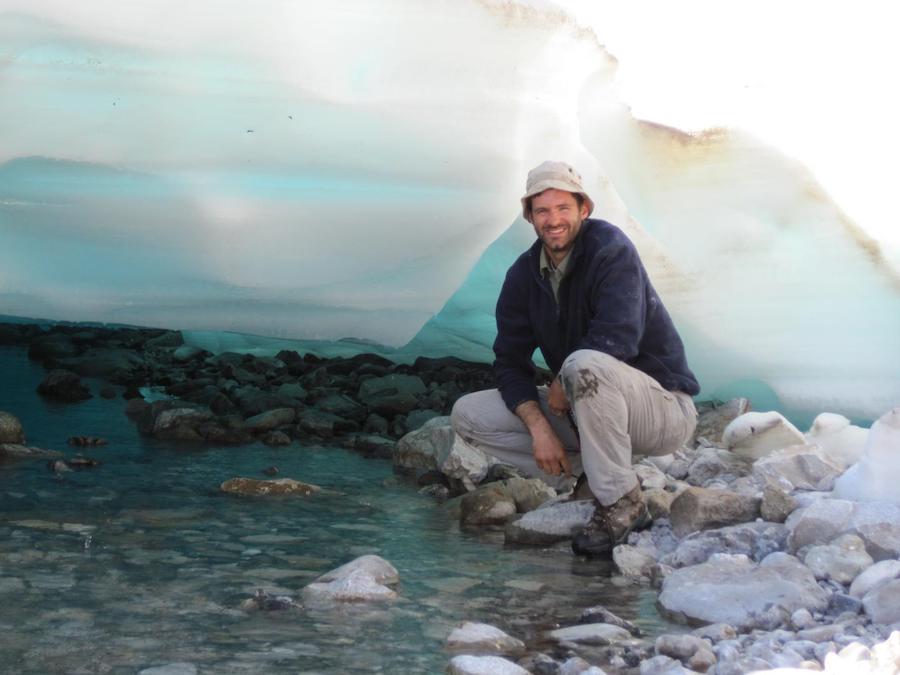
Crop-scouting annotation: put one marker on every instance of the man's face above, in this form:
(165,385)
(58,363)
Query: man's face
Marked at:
(557,217)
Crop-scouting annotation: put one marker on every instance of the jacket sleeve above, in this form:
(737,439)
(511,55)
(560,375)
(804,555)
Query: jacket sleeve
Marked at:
(618,297)
(514,345)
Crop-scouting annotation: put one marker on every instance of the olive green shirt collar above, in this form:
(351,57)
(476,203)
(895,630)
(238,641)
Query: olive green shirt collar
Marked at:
(554,273)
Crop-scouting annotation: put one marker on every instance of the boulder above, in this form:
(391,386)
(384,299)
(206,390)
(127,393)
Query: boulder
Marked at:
(482,638)
(420,449)
(9,451)
(63,385)
(882,603)
(392,394)
(343,406)
(186,353)
(116,364)
(320,423)
(11,430)
(802,465)
(292,390)
(168,339)
(253,487)
(755,540)
(659,502)
(633,561)
(276,439)
(650,477)
(733,589)
(714,416)
(823,520)
(51,346)
(464,462)
(876,575)
(269,420)
(756,434)
(842,560)
(375,566)
(495,503)
(776,504)
(180,424)
(715,464)
(550,524)
(681,646)
(483,665)
(701,509)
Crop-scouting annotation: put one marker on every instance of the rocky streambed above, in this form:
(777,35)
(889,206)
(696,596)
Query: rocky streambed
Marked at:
(750,552)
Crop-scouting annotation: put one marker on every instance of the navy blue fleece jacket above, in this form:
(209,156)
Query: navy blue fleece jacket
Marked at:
(606,303)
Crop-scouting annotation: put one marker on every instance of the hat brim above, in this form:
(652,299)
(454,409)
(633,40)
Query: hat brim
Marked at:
(551,184)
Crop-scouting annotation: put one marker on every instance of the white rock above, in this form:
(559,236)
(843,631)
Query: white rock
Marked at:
(842,560)
(823,520)
(756,434)
(550,524)
(732,589)
(357,586)
(464,462)
(837,439)
(878,574)
(876,476)
(650,476)
(482,638)
(633,561)
(857,659)
(375,566)
(483,665)
(664,665)
(578,666)
(591,633)
(420,449)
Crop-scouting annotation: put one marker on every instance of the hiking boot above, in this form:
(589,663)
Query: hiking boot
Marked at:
(611,525)
(581,490)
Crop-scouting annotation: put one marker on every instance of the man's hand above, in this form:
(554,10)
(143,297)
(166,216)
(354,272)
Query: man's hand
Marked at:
(549,454)
(556,398)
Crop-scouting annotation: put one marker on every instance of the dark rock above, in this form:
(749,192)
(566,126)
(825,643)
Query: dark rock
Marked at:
(188,353)
(840,602)
(266,602)
(714,416)
(86,441)
(132,391)
(319,423)
(417,418)
(271,470)
(276,439)
(51,346)
(12,334)
(269,420)
(170,338)
(63,385)
(391,395)
(253,400)
(222,434)
(136,407)
(9,451)
(11,430)
(375,424)
(222,405)
(342,406)
(431,478)
(292,390)
(289,356)
(80,462)
(117,365)
(108,392)
(372,445)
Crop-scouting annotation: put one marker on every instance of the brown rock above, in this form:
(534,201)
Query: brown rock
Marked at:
(715,416)
(701,509)
(252,487)
(776,505)
(11,430)
(659,502)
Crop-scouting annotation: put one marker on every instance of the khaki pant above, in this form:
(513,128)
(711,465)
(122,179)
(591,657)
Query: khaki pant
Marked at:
(618,410)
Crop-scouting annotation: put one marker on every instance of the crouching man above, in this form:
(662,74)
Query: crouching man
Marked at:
(622,384)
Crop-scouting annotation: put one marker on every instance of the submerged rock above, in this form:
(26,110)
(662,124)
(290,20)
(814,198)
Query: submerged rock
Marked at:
(482,638)
(550,524)
(267,602)
(17,451)
(63,385)
(591,633)
(11,430)
(364,579)
(253,487)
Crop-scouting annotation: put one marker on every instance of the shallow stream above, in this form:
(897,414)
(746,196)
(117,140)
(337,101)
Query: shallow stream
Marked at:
(141,561)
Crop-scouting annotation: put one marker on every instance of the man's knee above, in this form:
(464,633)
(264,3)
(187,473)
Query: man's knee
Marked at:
(586,372)
(462,414)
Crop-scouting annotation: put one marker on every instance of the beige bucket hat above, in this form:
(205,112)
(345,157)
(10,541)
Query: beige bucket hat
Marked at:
(547,175)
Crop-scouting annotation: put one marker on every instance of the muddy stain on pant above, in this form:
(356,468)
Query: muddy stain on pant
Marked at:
(588,384)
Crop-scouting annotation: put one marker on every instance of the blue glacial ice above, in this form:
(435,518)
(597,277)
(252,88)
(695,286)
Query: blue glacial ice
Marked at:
(301,171)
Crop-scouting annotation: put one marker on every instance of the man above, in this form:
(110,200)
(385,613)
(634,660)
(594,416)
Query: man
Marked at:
(621,381)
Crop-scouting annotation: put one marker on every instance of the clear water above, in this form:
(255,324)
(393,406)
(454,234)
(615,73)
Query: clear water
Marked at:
(142,562)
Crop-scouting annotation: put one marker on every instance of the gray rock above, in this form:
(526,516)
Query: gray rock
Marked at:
(342,406)
(550,524)
(578,666)
(392,394)
(180,424)
(878,574)
(276,439)
(600,614)
(823,520)
(269,420)
(802,465)
(714,416)
(186,353)
(681,647)
(755,540)
(664,665)
(650,477)
(716,632)
(103,362)
(177,668)
(483,665)
(482,638)
(882,603)
(292,390)
(171,338)
(11,430)
(591,633)
(701,509)
(417,418)
(732,589)
(421,448)
(319,423)
(841,560)
(713,464)
(490,504)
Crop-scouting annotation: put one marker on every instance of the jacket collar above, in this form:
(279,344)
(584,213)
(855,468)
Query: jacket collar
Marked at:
(577,250)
